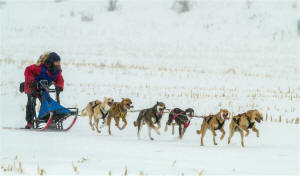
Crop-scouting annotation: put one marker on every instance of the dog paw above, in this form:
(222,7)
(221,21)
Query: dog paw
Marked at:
(198,131)
(151,139)
(215,143)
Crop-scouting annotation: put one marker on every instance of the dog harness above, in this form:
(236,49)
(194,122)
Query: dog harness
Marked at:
(44,76)
(103,115)
(186,124)
(93,106)
(220,125)
(122,112)
(251,124)
(176,115)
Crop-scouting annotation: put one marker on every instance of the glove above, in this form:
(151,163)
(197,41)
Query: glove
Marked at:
(33,84)
(58,89)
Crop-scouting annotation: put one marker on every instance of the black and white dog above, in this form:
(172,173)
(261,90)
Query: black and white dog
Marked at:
(182,119)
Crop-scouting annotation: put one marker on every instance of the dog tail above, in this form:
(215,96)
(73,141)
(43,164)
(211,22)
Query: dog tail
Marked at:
(135,123)
(83,112)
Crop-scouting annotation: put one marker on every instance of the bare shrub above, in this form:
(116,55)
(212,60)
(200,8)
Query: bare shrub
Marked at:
(298,27)
(86,17)
(112,5)
(72,13)
(2,3)
(58,1)
(295,5)
(249,4)
(182,6)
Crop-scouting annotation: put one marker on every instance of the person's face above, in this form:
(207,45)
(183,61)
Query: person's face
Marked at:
(56,63)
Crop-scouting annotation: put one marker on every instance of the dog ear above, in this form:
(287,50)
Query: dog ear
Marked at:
(250,113)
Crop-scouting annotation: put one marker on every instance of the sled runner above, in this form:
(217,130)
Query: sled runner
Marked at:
(52,115)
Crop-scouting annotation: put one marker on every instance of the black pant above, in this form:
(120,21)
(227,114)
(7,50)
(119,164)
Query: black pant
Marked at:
(30,108)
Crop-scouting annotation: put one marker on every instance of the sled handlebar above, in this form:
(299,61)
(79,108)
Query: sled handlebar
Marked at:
(45,85)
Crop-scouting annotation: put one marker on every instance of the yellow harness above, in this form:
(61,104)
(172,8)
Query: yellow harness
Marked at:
(123,114)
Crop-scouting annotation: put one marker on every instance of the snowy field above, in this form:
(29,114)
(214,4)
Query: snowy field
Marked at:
(231,54)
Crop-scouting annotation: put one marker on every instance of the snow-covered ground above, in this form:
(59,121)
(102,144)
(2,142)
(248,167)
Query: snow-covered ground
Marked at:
(238,55)
(276,152)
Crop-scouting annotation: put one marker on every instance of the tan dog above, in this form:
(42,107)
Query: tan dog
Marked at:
(243,122)
(119,111)
(214,122)
(98,110)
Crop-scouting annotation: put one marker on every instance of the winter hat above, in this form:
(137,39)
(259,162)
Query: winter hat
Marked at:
(53,57)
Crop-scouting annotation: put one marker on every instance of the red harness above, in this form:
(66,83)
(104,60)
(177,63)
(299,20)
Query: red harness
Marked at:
(176,115)
(186,124)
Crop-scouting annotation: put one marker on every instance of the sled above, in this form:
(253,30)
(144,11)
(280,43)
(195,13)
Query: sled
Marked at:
(52,115)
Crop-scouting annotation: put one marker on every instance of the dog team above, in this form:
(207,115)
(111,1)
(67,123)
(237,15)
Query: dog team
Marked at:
(151,117)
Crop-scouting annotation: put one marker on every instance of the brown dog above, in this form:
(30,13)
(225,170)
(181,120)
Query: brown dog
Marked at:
(214,122)
(98,110)
(243,122)
(119,111)
(150,117)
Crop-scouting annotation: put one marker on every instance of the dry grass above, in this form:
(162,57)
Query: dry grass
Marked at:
(16,166)
(173,164)
(75,168)
(229,98)
(40,171)
(126,171)
(82,160)
(297,120)
(200,173)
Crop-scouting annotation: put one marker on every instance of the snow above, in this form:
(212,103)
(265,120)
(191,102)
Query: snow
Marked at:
(276,152)
(238,55)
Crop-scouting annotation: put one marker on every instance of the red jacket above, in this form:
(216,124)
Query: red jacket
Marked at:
(32,71)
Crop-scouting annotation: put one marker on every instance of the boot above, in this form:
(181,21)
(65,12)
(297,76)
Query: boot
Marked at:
(28,125)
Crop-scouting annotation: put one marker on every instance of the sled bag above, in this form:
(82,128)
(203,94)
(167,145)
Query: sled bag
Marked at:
(21,88)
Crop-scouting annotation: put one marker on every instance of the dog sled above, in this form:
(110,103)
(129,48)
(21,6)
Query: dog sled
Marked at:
(52,115)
